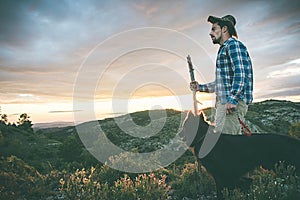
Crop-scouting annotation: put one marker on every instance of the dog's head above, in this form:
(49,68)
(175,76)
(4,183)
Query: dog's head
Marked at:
(194,129)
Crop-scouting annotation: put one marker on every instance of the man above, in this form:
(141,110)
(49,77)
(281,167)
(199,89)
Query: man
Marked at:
(233,84)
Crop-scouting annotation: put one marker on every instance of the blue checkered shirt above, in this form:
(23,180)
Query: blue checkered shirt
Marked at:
(234,75)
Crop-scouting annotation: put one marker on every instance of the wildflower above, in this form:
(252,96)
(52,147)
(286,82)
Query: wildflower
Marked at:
(98,186)
(85,180)
(152,175)
(72,177)
(62,182)
(92,169)
(76,172)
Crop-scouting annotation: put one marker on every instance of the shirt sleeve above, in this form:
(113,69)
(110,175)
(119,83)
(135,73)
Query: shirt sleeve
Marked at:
(238,58)
(209,87)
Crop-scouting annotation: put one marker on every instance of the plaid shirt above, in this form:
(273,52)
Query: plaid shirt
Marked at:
(234,75)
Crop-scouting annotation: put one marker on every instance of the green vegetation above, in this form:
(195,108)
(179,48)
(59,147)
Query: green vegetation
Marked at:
(282,183)
(53,163)
(85,184)
(295,130)
(274,116)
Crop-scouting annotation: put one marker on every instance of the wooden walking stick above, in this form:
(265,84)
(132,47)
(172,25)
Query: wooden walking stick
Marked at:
(191,69)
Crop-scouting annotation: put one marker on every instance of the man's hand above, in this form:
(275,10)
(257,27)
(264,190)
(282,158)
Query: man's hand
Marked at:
(230,108)
(194,86)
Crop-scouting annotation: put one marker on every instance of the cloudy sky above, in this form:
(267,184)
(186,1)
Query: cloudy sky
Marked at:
(122,56)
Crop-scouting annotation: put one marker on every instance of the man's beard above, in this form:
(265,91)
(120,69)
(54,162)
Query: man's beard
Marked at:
(216,40)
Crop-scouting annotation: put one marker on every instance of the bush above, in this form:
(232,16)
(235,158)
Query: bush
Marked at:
(107,174)
(192,185)
(281,184)
(83,184)
(21,181)
(295,130)
(142,187)
(71,149)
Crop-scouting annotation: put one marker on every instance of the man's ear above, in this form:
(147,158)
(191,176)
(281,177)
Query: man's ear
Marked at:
(224,29)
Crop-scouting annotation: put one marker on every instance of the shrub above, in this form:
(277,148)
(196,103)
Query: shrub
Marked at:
(142,187)
(192,185)
(80,185)
(108,174)
(83,185)
(295,130)
(281,184)
(21,181)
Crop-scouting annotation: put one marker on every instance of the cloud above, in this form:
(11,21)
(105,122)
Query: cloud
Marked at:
(287,72)
(44,43)
(64,111)
(43,32)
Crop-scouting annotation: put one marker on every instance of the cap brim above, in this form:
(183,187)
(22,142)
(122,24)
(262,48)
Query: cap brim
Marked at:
(213,19)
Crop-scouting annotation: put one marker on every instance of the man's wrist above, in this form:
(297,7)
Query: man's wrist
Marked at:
(232,100)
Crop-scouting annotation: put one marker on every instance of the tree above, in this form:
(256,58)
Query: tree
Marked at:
(71,149)
(3,126)
(24,123)
(23,118)
(4,119)
(1,138)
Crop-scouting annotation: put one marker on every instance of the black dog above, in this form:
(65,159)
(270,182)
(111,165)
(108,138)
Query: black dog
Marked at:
(235,155)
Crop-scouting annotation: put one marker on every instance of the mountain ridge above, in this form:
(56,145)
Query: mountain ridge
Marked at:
(269,116)
(141,131)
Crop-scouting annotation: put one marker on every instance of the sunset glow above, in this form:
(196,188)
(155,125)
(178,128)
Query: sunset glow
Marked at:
(126,56)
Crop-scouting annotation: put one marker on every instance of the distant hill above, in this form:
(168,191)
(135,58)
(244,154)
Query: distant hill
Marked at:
(271,116)
(266,116)
(38,126)
(56,143)
(56,150)
(274,116)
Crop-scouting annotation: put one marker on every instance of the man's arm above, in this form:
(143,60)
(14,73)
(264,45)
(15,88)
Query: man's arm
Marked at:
(209,87)
(239,59)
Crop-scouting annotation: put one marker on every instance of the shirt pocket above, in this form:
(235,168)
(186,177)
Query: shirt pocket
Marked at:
(222,60)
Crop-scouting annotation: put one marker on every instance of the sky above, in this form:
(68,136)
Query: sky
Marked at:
(60,58)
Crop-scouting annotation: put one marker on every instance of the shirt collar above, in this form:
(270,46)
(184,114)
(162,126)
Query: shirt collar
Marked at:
(227,41)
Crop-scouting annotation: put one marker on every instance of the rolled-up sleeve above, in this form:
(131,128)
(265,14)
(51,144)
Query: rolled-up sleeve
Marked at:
(208,87)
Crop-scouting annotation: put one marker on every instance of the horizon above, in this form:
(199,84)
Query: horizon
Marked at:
(71,61)
(122,114)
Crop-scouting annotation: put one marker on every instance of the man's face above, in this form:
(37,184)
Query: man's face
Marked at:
(216,33)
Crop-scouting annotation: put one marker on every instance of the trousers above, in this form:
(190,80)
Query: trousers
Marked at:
(229,123)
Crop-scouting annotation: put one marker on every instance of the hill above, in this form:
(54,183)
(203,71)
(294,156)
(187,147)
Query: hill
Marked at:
(38,126)
(274,116)
(35,164)
(62,144)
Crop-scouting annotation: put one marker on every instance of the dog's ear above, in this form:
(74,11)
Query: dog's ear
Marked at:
(202,117)
(203,121)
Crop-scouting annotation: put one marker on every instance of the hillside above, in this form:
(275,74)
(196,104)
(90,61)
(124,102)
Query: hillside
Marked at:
(62,144)
(57,152)
(128,132)
(274,116)
(38,126)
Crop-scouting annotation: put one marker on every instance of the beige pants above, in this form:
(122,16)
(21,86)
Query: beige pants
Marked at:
(229,123)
